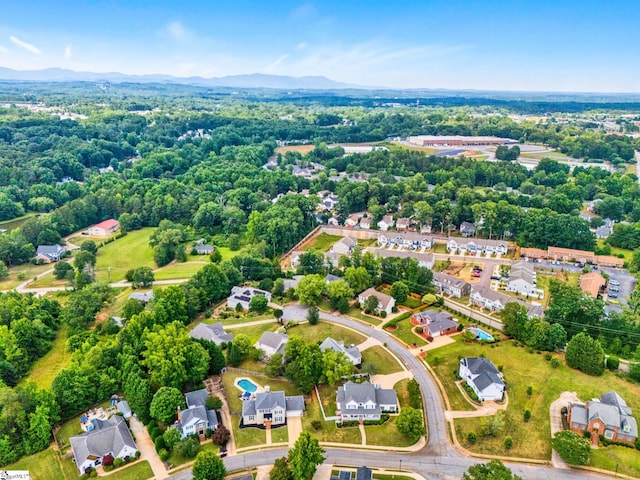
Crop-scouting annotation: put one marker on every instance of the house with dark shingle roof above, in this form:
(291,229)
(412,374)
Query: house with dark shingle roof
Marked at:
(204,249)
(271,343)
(483,377)
(196,418)
(49,253)
(110,436)
(144,297)
(350,351)
(363,401)
(609,417)
(271,408)
(214,333)
(435,323)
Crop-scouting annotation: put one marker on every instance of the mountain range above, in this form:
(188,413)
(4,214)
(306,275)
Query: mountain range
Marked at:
(256,80)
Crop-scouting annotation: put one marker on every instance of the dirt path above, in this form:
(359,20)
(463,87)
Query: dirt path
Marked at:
(147,449)
(363,433)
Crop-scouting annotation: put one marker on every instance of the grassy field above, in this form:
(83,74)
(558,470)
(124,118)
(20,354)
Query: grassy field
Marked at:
(356,313)
(48,280)
(328,398)
(315,333)
(628,254)
(248,437)
(384,362)
(180,270)
(9,225)
(624,460)
(21,273)
(45,369)
(279,435)
(404,332)
(328,432)
(244,317)
(130,251)
(255,331)
(425,150)
(386,434)
(523,369)
(322,242)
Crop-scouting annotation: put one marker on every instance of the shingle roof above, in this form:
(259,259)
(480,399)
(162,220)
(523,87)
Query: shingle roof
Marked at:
(50,250)
(108,436)
(273,340)
(485,372)
(295,403)
(356,392)
(193,415)
(124,408)
(443,324)
(143,297)
(364,473)
(338,346)
(107,224)
(383,298)
(269,400)
(579,414)
(197,398)
(214,333)
(612,398)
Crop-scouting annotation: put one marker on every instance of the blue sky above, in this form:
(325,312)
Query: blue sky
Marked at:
(496,45)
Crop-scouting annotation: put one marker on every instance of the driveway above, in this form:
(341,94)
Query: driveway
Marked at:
(147,449)
(294,429)
(388,381)
(555,413)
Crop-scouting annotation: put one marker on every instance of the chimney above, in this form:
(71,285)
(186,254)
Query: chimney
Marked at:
(179,419)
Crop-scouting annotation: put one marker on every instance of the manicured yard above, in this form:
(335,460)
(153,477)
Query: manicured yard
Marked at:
(328,398)
(255,331)
(322,242)
(404,332)
(177,460)
(615,250)
(315,333)
(242,317)
(180,270)
(45,369)
(279,435)
(71,428)
(136,471)
(403,393)
(328,432)
(119,255)
(355,312)
(248,437)
(625,460)
(386,434)
(383,361)
(9,225)
(522,369)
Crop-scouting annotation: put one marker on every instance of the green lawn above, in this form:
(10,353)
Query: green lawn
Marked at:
(22,273)
(626,460)
(279,435)
(355,312)
(227,253)
(48,280)
(180,270)
(328,432)
(248,437)
(45,369)
(236,318)
(628,254)
(131,251)
(522,369)
(404,332)
(177,460)
(384,362)
(16,222)
(386,434)
(328,398)
(255,331)
(317,333)
(136,471)
(323,242)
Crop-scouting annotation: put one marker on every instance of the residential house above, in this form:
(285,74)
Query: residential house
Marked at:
(385,302)
(452,286)
(333,222)
(364,473)
(424,259)
(403,224)
(609,417)
(243,295)
(350,351)
(522,280)
(363,401)
(196,418)
(292,282)
(426,228)
(591,283)
(107,437)
(104,229)
(213,333)
(491,300)
(533,253)
(467,229)
(604,231)
(271,343)
(331,278)
(124,409)
(477,246)
(365,223)
(386,223)
(271,408)
(144,297)
(353,219)
(204,249)
(436,324)
(483,377)
(344,246)
(49,253)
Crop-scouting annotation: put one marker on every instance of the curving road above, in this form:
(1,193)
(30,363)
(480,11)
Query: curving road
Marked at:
(438,460)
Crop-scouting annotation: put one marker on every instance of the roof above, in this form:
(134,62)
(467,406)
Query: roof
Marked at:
(383,298)
(108,436)
(273,340)
(50,250)
(608,259)
(193,416)
(569,252)
(213,333)
(141,296)
(338,346)
(612,398)
(388,219)
(124,408)
(331,278)
(204,248)
(269,400)
(430,316)
(445,279)
(402,222)
(492,295)
(533,252)
(196,398)
(440,325)
(356,392)
(294,403)
(590,283)
(347,242)
(467,226)
(484,372)
(107,224)
(522,271)
(364,473)
(579,414)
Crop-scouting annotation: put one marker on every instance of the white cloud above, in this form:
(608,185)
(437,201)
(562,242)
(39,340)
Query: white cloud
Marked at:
(302,45)
(27,46)
(67,52)
(3,49)
(178,31)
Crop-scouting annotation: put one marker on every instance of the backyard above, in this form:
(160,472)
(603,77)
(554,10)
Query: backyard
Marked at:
(322,243)
(328,432)
(523,369)
(383,362)
(317,333)
(403,331)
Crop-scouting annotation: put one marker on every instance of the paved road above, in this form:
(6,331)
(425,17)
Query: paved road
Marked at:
(438,460)
(22,288)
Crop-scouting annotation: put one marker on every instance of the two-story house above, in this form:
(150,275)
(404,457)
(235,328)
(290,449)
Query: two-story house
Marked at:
(446,284)
(363,401)
(385,302)
(609,417)
(483,377)
(196,418)
(271,408)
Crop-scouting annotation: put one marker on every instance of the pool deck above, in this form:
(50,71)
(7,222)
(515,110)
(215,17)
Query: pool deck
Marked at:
(259,388)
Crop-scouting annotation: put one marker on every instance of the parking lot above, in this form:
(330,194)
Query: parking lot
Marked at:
(627,285)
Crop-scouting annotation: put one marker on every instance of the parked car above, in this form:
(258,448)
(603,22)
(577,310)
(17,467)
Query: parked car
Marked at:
(495,277)
(612,295)
(613,282)
(613,288)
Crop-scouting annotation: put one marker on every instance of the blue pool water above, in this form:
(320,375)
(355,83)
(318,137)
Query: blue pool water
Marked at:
(247,385)
(481,334)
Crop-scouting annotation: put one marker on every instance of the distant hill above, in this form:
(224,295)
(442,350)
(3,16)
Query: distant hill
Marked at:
(256,80)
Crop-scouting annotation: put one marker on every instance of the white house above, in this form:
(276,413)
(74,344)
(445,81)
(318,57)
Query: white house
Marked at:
(403,224)
(363,401)
(386,223)
(483,377)
(365,223)
(344,246)
(467,229)
(385,302)
(446,284)
(271,408)
(490,299)
(108,437)
(350,351)
(353,219)
(243,295)
(196,419)
(271,343)
(522,280)
(213,333)
(477,246)
(104,229)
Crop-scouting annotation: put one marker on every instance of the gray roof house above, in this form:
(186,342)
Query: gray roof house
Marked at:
(213,333)
(107,437)
(363,401)
(467,229)
(344,246)
(271,343)
(271,408)
(609,416)
(350,351)
(364,473)
(483,377)
(123,407)
(204,249)
(196,418)
(144,297)
(437,323)
(49,253)
(606,229)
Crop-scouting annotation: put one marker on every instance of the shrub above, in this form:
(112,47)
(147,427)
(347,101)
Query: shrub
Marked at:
(555,363)
(107,460)
(137,455)
(419,330)
(93,474)
(508,443)
(527,415)
(472,437)
(383,314)
(214,403)
(547,356)
(160,444)
(613,363)
(107,468)
(316,424)
(84,476)
(118,462)
(221,435)
(164,455)
(529,391)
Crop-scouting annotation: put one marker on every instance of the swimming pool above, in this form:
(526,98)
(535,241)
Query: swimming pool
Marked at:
(247,385)
(481,334)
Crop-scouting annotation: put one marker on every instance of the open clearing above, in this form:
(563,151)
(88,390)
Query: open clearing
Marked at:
(131,251)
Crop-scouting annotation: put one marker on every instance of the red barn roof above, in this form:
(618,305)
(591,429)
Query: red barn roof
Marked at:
(107,224)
